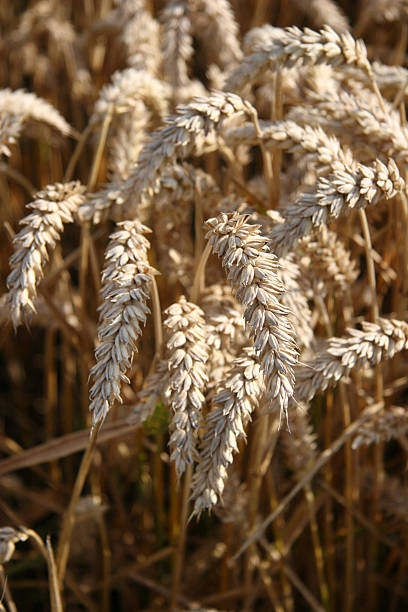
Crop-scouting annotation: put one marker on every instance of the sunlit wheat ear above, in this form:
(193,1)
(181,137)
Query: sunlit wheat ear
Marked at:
(140,36)
(215,26)
(225,331)
(382,426)
(126,89)
(299,445)
(295,299)
(322,12)
(235,400)
(126,281)
(151,393)
(9,536)
(252,270)
(193,130)
(369,346)
(326,260)
(10,129)
(346,188)
(177,46)
(28,106)
(294,138)
(42,228)
(186,355)
(289,46)
(358,121)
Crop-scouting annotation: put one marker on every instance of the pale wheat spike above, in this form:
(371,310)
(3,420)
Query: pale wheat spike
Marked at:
(127,87)
(358,121)
(177,45)
(225,331)
(295,300)
(290,46)
(136,101)
(322,12)
(225,316)
(236,398)
(292,137)
(235,502)
(252,271)
(126,142)
(299,444)
(10,128)
(382,426)
(390,79)
(346,189)
(9,536)
(186,355)
(126,281)
(367,347)
(191,131)
(326,260)
(215,25)
(28,106)
(173,219)
(140,36)
(151,393)
(51,208)
(177,51)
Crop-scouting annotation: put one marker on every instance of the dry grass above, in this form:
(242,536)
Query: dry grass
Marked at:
(203,388)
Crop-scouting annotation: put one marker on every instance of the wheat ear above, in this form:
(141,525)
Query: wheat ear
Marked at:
(346,189)
(10,129)
(126,280)
(191,131)
(367,347)
(187,355)
(30,106)
(52,207)
(232,406)
(289,46)
(252,271)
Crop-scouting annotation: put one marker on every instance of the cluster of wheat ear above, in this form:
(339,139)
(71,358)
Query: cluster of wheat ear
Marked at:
(214,257)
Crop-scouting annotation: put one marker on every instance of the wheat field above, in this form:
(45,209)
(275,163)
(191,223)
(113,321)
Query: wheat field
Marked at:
(204,292)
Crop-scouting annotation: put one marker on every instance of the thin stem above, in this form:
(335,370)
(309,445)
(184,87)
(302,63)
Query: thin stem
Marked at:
(55,594)
(99,151)
(301,587)
(266,158)
(318,553)
(370,264)
(106,564)
(180,550)
(157,319)
(321,462)
(19,178)
(373,82)
(6,593)
(68,521)
(77,152)
(199,274)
